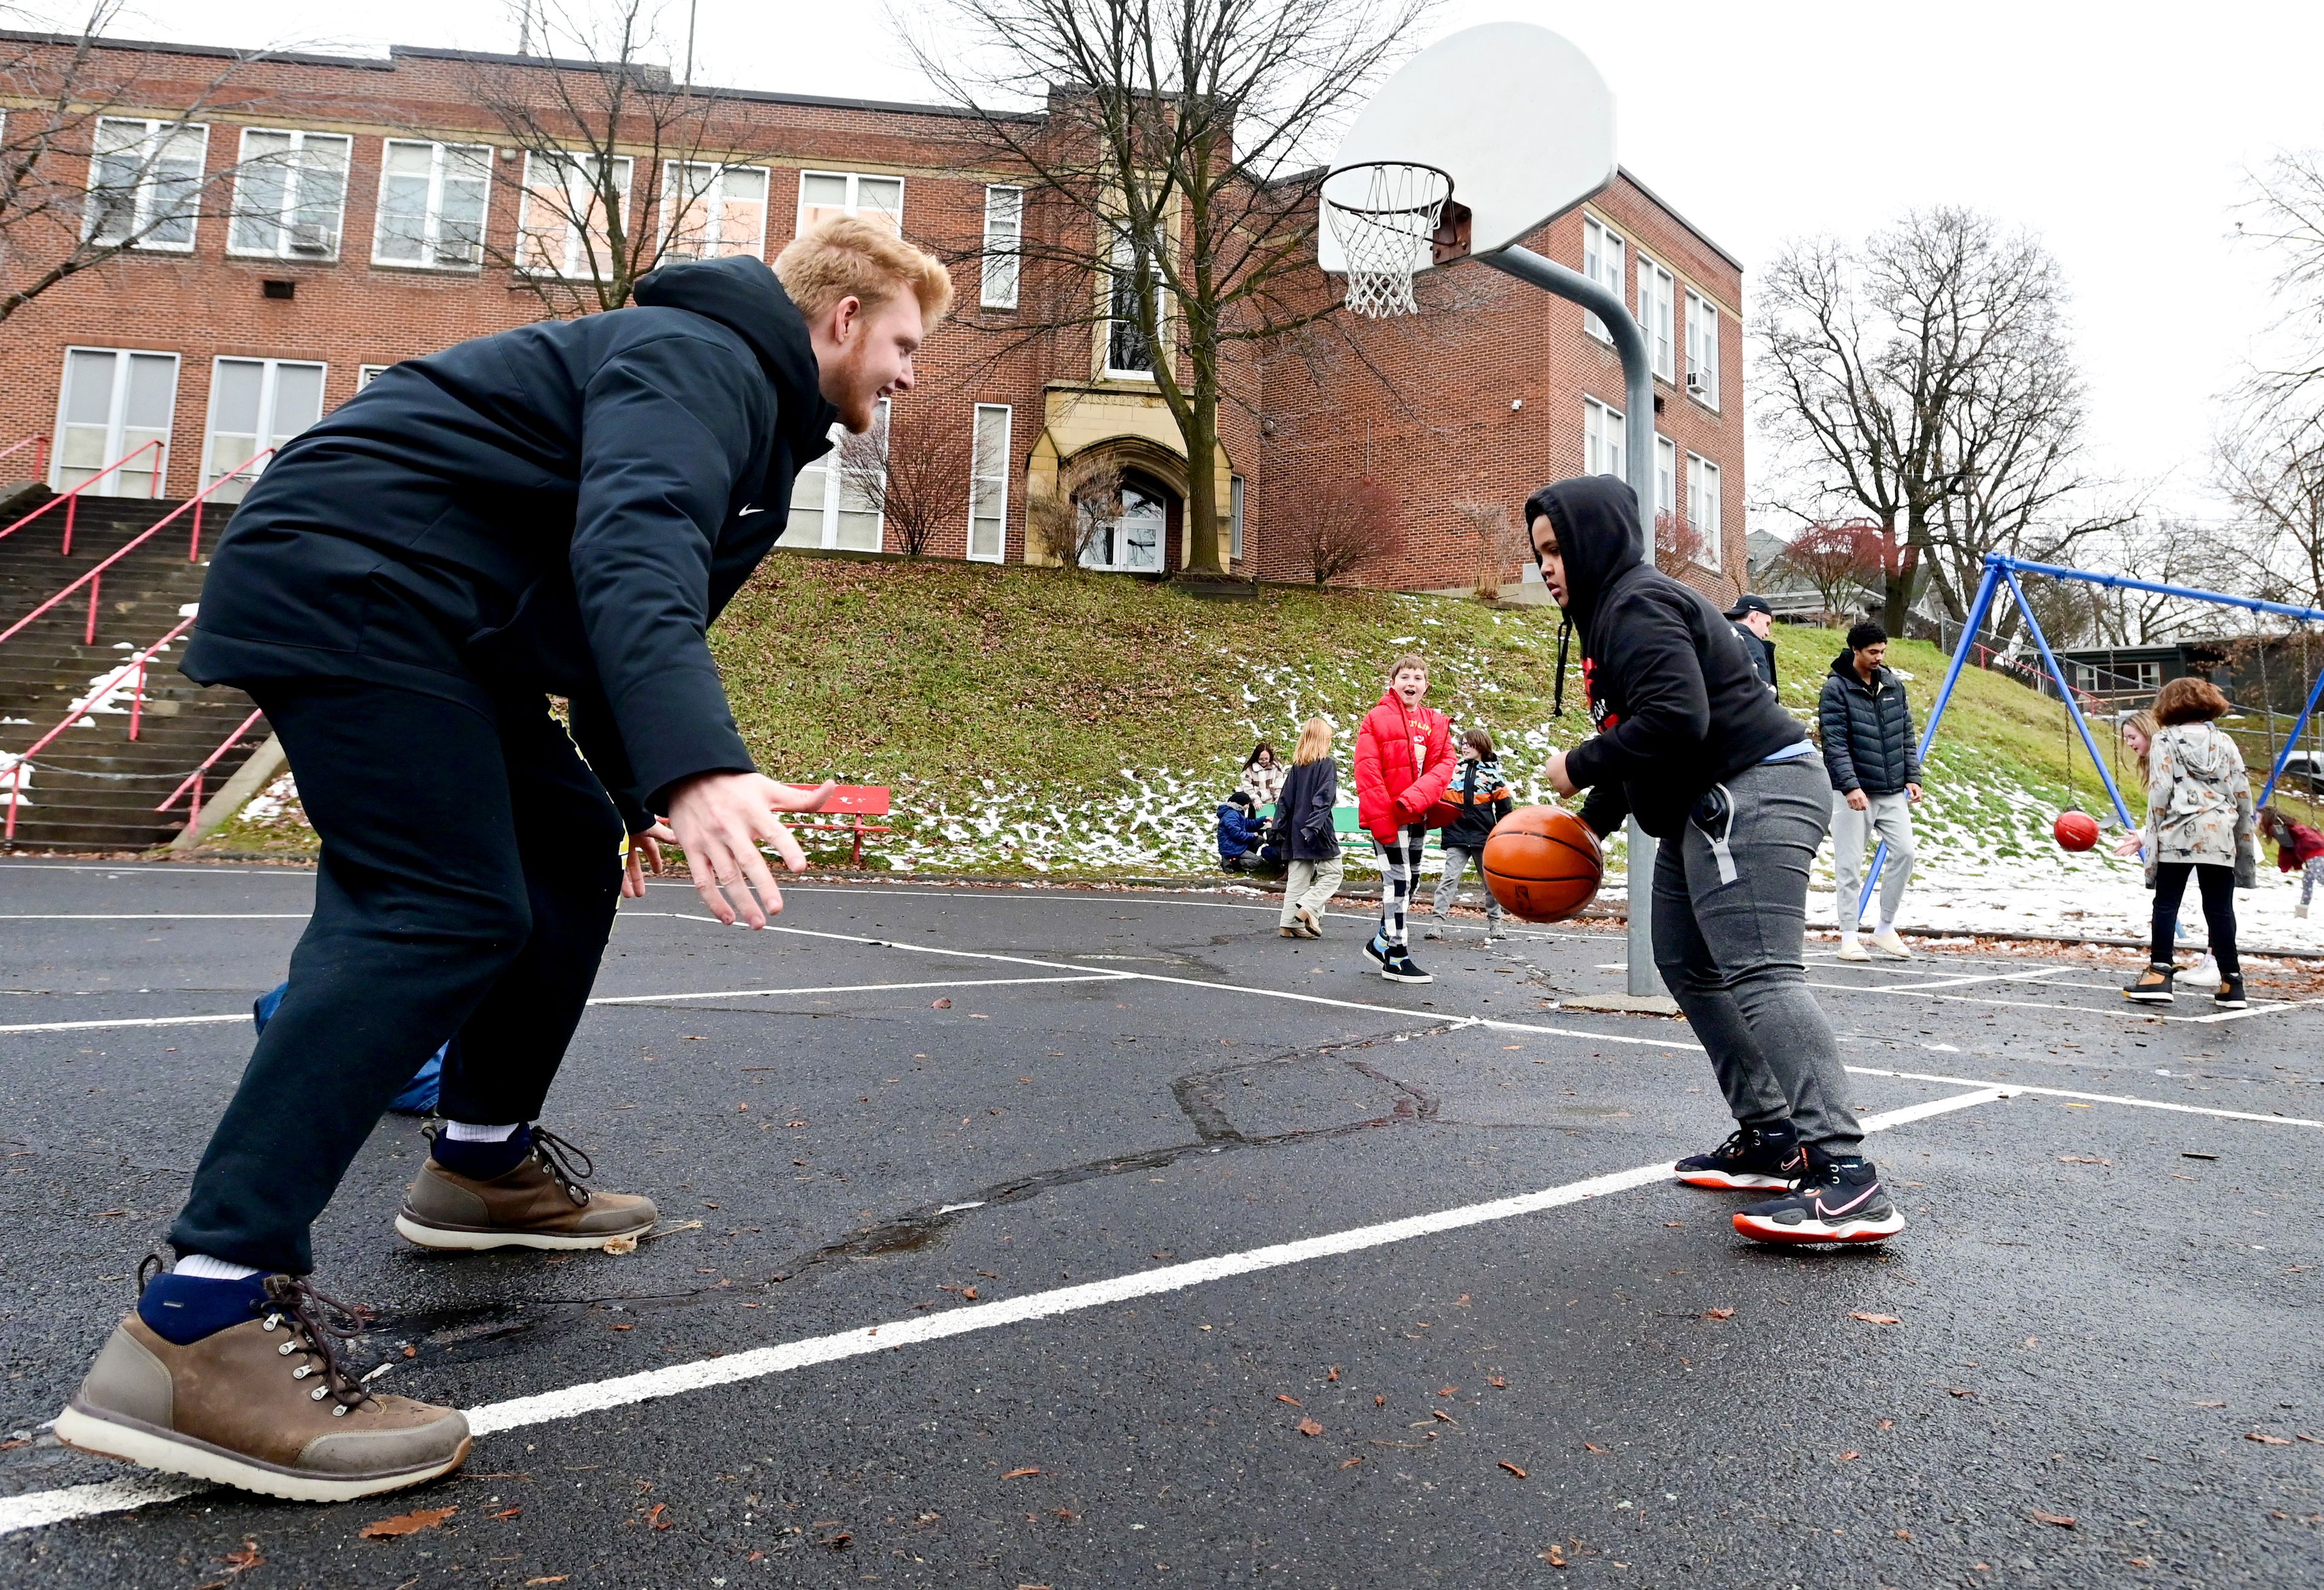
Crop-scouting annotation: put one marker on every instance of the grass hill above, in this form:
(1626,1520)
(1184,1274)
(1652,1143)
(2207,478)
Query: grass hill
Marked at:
(1054,723)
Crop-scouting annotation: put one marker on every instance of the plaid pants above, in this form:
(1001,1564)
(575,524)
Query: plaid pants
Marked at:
(1399,872)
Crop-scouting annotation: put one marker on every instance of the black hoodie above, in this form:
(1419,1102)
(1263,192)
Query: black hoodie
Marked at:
(560,508)
(1677,705)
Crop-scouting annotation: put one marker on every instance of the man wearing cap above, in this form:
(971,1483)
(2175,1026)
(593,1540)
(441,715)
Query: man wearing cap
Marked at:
(1753,619)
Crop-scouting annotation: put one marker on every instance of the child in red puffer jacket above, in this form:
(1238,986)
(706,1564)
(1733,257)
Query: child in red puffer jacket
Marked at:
(2298,849)
(1404,762)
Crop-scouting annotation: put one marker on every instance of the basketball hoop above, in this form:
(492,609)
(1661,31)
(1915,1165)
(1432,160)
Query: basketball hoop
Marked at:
(1390,218)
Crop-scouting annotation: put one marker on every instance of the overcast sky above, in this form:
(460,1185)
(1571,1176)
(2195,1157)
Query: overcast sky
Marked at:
(2120,135)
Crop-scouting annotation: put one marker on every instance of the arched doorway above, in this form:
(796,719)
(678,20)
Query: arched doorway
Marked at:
(1132,536)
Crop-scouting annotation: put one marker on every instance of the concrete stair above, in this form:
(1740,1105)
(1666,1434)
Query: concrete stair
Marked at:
(93,788)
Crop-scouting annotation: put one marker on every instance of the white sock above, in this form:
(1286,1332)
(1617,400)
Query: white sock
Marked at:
(202,1267)
(466,1132)
(1847,936)
(1886,926)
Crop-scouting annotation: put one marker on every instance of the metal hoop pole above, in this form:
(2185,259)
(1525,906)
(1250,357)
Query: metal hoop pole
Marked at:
(1638,460)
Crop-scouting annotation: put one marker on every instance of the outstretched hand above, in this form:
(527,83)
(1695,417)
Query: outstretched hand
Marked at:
(721,820)
(644,852)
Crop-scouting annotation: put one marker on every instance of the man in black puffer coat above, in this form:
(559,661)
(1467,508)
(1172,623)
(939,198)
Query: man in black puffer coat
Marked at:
(1875,763)
(1690,738)
(562,509)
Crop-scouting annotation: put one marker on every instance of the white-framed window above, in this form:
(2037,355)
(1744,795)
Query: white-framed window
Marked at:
(1602,439)
(988,485)
(1126,350)
(367,373)
(1702,349)
(825,194)
(1666,475)
(1702,506)
(562,228)
(1004,236)
(710,211)
(1601,261)
(111,402)
(1235,518)
(830,506)
(1130,541)
(256,404)
(431,204)
(145,183)
(1657,301)
(289,194)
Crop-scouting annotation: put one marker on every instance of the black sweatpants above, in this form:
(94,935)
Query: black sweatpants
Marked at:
(2218,886)
(470,868)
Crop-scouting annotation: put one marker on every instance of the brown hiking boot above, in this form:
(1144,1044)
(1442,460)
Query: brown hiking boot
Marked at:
(265,1405)
(541,1203)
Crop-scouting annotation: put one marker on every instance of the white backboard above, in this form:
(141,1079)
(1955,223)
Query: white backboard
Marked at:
(1513,113)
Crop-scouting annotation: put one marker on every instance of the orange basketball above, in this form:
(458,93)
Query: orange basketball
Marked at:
(1542,863)
(2075,831)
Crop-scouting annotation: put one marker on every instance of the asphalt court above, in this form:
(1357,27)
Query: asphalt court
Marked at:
(1131,1191)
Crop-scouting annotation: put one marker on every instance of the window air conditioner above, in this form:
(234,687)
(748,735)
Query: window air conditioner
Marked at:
(312,237)
(1695,385)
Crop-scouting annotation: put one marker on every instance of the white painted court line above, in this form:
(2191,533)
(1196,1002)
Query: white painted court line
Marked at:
(1951,982)
(133,1021)
(40,1508)
(1088,975)
(158,916)
(2129,1015)
(2183,1109)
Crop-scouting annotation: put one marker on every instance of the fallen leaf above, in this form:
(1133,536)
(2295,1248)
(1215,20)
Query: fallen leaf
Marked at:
(794,1123)
(410,1351)
(2267,1440)
(1019,1473)
(406,1523)
(2064,1520)
(1850,1457)
(1555,1557)
(1497,1383)
(242,1559)
(1674,1223)
(657,1515)
(1379,1401)
(109,1214)
(511,1512)
(2142,1562)
(1876,1319)
(620,1327)
(1351,1462)
(969,1292)
(1592,1446)
(1439,1413)
(2210,1405)
(2082,1159)
(1446,1391)
(940,1004)
(837,1542)
(1295,1401)
(549,1579)
(1961,1392)
(1904,1534)
(1513,1468)
(1334,1374)
(1719,1313)
(2313,1440)
(1308,1427)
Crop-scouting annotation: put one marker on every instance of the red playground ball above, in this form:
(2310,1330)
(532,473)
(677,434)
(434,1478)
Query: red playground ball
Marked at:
(2075,831)
(1542,863)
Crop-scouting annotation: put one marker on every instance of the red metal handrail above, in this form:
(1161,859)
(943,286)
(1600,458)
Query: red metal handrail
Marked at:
(71,499)
(193,780)
(95,578)
(86,710)
(40,458)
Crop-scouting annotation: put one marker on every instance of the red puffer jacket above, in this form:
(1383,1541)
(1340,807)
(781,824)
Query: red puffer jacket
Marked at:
(1403,763)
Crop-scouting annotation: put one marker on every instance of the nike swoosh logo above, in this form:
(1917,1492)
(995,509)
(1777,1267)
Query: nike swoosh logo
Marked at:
(747,513)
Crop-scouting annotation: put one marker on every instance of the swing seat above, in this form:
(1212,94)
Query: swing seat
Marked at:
(2075,831)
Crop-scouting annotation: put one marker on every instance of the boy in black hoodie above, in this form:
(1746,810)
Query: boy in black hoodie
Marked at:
(1691,743)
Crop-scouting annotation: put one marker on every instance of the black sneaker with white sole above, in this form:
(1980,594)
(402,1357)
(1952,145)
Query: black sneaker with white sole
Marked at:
(1377,950)
(1833,1201)
(1747,1162)
(2230,995)
(1399,968)
(2151,987)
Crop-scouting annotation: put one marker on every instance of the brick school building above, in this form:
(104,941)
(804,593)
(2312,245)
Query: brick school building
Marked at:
(304,221)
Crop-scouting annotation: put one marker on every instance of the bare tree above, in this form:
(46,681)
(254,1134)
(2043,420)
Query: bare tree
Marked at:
(1489,524)
(1680,544)
(97,162)
(1344,523)
(1070,518)
(1882,367)
(919,488)
(2272,469)
(1840,561)
(2163,550)
(1170,202)
(2285,215)
(622,169)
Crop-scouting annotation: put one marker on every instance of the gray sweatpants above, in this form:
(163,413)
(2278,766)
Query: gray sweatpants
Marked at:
(1890,818)
(1457,861)
(1731,954)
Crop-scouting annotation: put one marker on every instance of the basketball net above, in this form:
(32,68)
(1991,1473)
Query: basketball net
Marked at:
(1384,217)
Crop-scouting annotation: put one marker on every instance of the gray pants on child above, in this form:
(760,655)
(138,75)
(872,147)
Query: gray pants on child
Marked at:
(1457,858)
(1311,884)
(1890,818)
(1731,954)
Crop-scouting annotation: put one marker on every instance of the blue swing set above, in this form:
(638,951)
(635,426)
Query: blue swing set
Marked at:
(2002,571)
